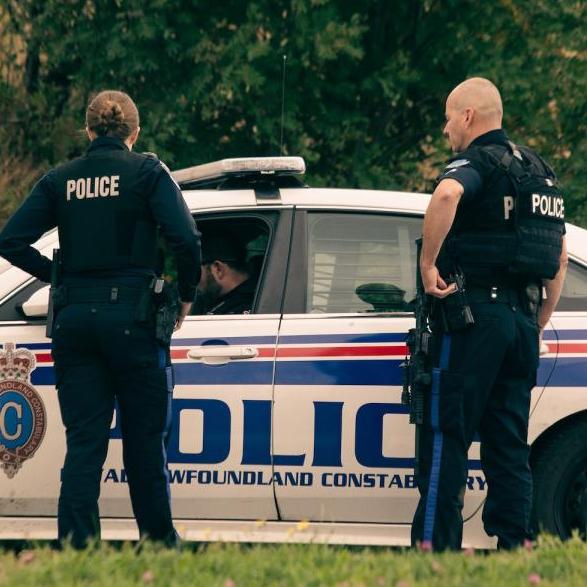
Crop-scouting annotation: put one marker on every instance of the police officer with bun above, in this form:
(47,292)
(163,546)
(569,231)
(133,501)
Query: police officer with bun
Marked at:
(113,314)
(493,240)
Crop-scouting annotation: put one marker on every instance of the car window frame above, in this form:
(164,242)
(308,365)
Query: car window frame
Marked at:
(271,282)
(296,289)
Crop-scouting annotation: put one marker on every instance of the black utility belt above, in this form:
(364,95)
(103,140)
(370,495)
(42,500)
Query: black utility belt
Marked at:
(455,313)
(495,294)
(71,294)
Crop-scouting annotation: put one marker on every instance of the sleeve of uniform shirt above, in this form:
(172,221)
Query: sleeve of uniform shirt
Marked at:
(35,216)
(468,172)
(180,232)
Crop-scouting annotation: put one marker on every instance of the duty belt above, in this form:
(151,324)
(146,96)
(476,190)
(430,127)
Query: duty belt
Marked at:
(498,295)
(100,294)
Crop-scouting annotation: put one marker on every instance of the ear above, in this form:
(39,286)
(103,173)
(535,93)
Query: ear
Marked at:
(218,269)
(132,139)
(468,116)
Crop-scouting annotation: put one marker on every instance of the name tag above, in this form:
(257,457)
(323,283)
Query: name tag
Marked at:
(92,187)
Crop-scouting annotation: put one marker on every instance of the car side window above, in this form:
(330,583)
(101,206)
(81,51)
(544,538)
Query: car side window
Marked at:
(574,292)
(361,262)
(11,309)
(241,243)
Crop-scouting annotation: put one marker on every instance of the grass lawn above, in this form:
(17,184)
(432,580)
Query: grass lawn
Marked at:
(230,565)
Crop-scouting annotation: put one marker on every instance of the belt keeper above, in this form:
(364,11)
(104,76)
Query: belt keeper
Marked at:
(493,294)
(113,295)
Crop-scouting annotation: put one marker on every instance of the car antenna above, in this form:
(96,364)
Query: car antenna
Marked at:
(282,104)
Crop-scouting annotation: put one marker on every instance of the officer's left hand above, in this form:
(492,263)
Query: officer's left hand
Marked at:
(433,283)
(184,310)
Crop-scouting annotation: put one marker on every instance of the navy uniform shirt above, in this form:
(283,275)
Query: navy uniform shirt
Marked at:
(237,301)
(144,188)
(481,179)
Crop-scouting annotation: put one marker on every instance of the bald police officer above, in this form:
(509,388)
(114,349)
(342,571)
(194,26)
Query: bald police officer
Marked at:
(493,237)
(109,206)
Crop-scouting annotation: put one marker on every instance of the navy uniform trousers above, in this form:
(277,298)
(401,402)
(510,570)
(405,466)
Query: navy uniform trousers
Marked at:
(481,384)
(102,354)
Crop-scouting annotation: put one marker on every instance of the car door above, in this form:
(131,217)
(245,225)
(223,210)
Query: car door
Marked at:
(563,370)
(344,447)
(348,454)
(220,449)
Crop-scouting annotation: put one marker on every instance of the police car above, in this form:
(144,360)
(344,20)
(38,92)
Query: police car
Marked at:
(287,422)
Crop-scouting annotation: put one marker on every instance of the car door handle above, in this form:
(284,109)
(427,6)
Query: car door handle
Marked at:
(222,354)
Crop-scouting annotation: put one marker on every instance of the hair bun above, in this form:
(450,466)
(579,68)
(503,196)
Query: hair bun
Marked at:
(111,116)
(112,113)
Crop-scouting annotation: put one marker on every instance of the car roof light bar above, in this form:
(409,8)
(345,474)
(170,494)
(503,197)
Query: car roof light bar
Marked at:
(243,166)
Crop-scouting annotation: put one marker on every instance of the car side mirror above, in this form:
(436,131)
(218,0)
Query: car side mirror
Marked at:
(37,306)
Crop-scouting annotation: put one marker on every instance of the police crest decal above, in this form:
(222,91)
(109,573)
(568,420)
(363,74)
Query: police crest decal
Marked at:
(23,419)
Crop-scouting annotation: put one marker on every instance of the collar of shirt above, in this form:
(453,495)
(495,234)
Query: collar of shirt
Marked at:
(497,136)
(244,289)
(107,143)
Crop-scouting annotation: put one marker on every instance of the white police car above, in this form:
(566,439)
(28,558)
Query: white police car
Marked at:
(287,422)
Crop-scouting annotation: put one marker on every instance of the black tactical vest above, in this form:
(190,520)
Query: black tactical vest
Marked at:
(103,212)
(528,243)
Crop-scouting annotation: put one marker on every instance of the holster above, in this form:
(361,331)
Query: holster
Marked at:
(57,293)
(453,313)
(57,300)
(162,307)
(531,298)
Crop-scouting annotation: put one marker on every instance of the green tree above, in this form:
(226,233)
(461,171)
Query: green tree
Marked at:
(365,83)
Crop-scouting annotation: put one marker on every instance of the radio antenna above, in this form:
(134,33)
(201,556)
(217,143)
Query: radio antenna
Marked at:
(282,104)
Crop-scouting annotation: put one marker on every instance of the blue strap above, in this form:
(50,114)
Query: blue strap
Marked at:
(161,356)
(432,497)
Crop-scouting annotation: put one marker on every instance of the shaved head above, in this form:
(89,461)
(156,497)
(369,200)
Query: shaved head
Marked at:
(472,109)
(479,94)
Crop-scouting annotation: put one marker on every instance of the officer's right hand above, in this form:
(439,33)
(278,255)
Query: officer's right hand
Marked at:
(184,311)
(433,283)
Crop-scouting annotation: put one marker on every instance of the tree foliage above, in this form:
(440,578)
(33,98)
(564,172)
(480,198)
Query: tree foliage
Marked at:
(365,82)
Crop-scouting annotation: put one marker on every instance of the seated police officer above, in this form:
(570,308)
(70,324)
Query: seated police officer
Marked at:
(226,286)
(108,206)
(493,237)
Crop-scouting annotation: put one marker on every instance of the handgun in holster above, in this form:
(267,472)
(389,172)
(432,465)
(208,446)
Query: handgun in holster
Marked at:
(455,311)
(159,303)
(532,298)
(57,292)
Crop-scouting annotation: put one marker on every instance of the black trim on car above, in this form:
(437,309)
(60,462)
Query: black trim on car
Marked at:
(272,285)
(294,301)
